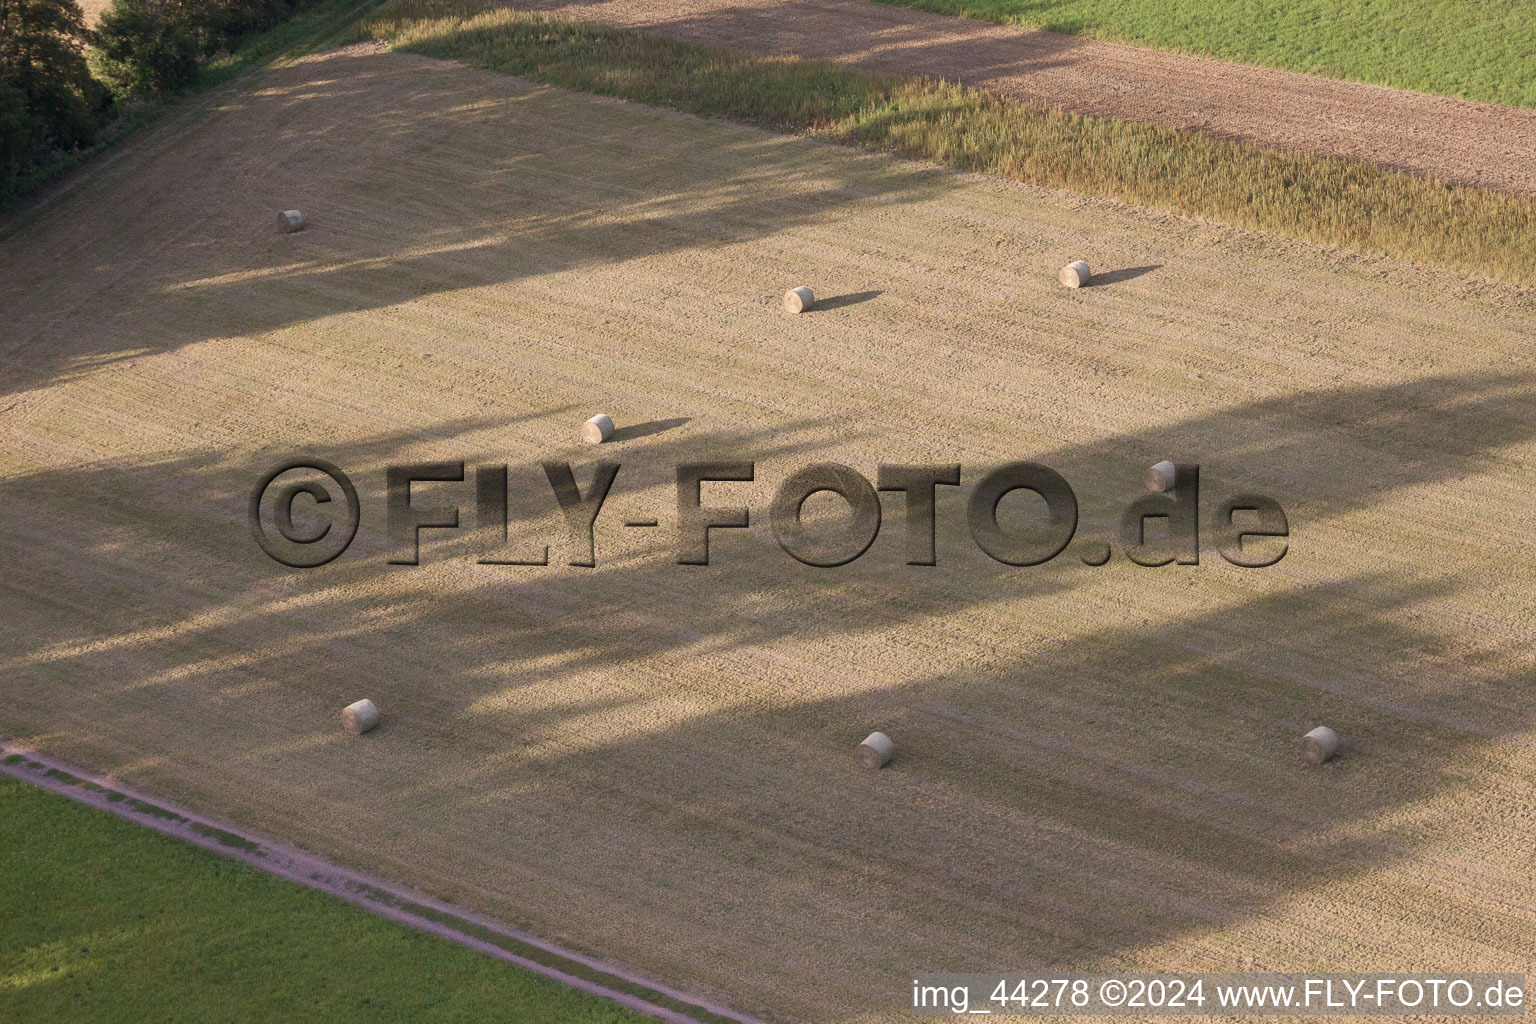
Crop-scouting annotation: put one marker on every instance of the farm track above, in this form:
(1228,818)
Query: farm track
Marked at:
(1096,767)
(1458,140)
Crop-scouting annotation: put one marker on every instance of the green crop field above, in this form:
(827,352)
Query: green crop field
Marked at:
(1481,51)
(108,921)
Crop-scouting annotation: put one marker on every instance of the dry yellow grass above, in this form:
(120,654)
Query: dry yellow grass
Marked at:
(1097,767)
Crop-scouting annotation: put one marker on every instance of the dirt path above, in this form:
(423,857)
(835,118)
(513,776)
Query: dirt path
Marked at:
(1477,143)
(412,908)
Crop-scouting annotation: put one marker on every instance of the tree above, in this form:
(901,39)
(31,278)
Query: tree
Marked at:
(48,99)
(20,138)
(150,47)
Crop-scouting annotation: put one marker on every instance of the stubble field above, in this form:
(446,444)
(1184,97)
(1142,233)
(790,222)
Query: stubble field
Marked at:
(1097,767)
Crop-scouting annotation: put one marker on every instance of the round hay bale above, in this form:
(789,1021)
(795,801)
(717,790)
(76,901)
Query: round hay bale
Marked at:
(359,716)
(597,429)
(798,300)
(290,221)
(1320,744)
(1161,477)
(876,750)
(1074,274)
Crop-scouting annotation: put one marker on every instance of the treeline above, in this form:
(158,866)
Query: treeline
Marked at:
(62,83)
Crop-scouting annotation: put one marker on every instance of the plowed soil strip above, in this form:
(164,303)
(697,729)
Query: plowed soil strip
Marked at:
(441,919)
(1459,140)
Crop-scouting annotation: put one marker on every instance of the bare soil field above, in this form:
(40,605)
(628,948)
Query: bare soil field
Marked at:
(1097,768)
(1458,140)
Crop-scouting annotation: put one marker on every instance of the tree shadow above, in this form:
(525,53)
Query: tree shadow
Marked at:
(205,261)
(678,739)
(890,39)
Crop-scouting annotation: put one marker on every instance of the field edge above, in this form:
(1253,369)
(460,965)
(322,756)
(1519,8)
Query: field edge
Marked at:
(464,927)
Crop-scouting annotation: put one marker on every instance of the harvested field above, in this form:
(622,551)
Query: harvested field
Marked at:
(1097,767)
(1458,140)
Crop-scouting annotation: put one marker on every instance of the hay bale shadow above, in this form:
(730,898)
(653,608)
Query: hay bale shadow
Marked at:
(1124,274)
(635,430)
(851,299)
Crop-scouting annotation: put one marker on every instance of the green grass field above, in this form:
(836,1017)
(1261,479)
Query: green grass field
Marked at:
(108,921)
(1481,50)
